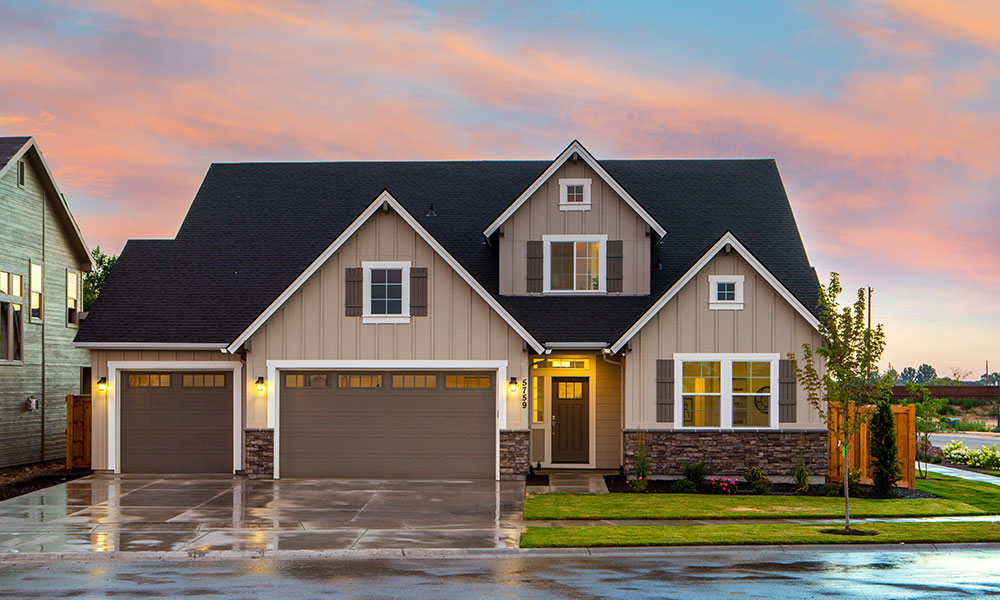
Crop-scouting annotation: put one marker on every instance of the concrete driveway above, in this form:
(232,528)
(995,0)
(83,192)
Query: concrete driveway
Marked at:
(207,514)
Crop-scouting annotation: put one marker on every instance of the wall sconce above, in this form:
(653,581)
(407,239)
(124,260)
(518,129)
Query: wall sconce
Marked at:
(102,384)
(512,386)
(260,384)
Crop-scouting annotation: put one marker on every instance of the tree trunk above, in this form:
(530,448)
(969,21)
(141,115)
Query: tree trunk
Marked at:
(847,474)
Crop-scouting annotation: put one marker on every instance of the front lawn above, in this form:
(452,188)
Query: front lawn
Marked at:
(983,496)
(754,533)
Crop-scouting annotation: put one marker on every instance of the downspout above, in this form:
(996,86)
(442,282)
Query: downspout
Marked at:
(621,395)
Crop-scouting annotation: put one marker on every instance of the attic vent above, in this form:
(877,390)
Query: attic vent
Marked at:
(20,173)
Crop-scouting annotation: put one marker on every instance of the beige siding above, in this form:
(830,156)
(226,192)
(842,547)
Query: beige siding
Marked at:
(608,412)
(460,325)
(540,215)
(767,324)
(24,211)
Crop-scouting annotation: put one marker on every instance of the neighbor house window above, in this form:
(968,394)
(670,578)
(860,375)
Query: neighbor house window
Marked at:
(574,194)
(36,291)
(575,263)
(725,292)
(386,292)
(538,399)
(72,297)
(726,390)
(11,331)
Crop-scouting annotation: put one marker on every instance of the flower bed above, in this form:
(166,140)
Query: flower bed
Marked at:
(984,457)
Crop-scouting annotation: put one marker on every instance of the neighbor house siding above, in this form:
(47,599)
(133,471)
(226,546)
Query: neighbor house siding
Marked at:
(99,400)
(540,215)
(28,212)
(766,324)
(312,324)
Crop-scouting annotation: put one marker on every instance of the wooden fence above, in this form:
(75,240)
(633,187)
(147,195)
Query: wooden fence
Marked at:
(859,456)
(77,432)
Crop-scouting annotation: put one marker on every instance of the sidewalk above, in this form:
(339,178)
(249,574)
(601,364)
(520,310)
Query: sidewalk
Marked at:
(963,474)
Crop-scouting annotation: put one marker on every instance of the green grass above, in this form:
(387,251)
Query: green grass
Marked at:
(755,533)
(984,496)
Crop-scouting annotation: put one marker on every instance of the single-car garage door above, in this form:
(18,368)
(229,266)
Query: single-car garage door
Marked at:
(387,425)
(176,422)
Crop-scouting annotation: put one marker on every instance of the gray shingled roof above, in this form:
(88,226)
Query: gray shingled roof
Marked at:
(9,147)
(254,227)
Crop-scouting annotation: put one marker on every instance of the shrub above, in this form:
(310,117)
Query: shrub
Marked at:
(761,487)
(853,482)
(754,474)
(722,485)
(831,489)
(641,480)
(800,475)
(986,457)
(683,486)
(696,472)
(882,445)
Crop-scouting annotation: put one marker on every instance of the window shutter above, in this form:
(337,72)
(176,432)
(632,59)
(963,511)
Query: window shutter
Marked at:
(353,293)
(535,266)
(614,265)
(664,391)
(787,390)
(418,291)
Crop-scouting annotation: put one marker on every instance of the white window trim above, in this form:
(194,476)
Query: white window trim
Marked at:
(713,292)
(366,314)
(726,398)
(602,256)
(564,203)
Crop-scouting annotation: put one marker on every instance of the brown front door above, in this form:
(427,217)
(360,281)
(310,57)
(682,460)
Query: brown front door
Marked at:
(570,420)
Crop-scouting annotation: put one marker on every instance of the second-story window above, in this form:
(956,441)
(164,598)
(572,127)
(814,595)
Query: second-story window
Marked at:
(386,292)
(72,298)
(36,291)
(11,330)
(574,263)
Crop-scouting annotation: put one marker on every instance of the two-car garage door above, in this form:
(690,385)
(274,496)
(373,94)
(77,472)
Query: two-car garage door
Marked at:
(387,424)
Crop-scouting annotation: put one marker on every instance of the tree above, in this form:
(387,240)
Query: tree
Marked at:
(892,374)
(990,379)
(94,281)
(847,379)
(882,446)
(927,409)
(959,374)
(925,373)
(907,375)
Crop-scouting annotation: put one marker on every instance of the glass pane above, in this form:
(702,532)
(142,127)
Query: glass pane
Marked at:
(4,282)
(701,411)
(165,380)
(71,285)
(36,278)
(378,275)
(538,398)
(702,377)
(15,285)
(394,275)
(561,275)
(394,307)
(751,411)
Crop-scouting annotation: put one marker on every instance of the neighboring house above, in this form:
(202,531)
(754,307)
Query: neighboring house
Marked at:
(42,258)
(460,320)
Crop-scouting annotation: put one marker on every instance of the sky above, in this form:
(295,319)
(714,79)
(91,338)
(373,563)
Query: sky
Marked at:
(882,115)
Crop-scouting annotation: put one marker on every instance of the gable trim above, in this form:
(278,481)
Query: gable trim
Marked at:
(577,148)
(384,198)
(730,239)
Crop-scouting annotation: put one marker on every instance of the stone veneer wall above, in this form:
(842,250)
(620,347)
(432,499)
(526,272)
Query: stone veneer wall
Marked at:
(258,445)
(515,448)
(730,452)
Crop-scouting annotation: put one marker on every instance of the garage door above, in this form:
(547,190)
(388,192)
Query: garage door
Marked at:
(387,425)
(176,422)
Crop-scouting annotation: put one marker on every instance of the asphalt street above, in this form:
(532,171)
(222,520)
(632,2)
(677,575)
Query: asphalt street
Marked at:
(969,441)
(749,573)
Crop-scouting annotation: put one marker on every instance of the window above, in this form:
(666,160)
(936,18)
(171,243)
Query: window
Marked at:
(15,285)
(574,194)
(20,173)
(362,381)
(11,332)
(386,292)
(467,381)
(36,291)
(538,399)
(414,381)
(72,297)
(149,380)
(726,391)
(563,363)
(4,282)
(574,263)
(725,292)
(307,380)
(199,380)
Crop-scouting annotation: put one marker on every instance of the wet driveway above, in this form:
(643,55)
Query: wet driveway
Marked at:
(206,514)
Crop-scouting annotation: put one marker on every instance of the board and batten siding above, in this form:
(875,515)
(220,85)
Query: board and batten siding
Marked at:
(312,325)
(99,400)
(608,408)
(766,324)
(24,210)
(608,215)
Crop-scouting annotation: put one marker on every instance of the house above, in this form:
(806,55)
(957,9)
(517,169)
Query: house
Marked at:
(461,320)
(42,258)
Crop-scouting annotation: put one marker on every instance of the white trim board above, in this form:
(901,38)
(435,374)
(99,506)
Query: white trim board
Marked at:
(384,198)
(274,398)
(575,147)
(727,238)
(114,400)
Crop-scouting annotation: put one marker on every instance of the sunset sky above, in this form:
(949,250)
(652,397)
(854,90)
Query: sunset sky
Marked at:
(883,116)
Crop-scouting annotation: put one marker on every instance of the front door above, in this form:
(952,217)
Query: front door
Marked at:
(570,420)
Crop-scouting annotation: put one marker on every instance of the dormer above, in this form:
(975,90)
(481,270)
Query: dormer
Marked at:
(575,231)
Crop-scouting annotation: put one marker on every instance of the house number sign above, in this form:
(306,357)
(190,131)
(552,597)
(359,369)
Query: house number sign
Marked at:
(524,393)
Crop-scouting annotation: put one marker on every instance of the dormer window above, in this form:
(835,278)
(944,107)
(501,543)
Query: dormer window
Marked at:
(574,194)
(575,263)
(725,292)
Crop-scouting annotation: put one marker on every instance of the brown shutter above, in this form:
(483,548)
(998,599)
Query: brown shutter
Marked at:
(787,390)
(614,265)
(534,266)
(418,291)
(353,293)
(664,391)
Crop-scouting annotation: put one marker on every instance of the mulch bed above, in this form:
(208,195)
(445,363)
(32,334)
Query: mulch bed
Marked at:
(618,484)
(15,481)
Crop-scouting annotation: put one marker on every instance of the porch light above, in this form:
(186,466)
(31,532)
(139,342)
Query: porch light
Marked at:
(512,386)
(102,384)
(260,384)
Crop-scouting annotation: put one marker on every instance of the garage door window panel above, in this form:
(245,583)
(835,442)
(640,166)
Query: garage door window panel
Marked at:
(149,380)
(414,381)
(360,381)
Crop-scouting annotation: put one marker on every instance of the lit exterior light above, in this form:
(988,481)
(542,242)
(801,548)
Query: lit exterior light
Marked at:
(102,384)
(513,385)
(260,384)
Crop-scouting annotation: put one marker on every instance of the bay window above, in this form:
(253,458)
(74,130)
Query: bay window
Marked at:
(726,391)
